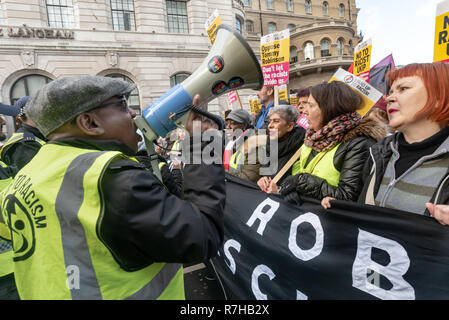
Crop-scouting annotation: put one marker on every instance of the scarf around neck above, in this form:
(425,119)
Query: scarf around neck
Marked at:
(332,133)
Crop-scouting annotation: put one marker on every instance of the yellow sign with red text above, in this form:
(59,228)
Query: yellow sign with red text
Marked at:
(275,57)
(362,57)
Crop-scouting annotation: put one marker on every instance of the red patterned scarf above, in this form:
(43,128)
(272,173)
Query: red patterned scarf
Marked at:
(332,133)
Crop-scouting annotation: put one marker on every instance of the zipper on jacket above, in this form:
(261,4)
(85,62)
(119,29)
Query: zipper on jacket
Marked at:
(417,164)
(439,189)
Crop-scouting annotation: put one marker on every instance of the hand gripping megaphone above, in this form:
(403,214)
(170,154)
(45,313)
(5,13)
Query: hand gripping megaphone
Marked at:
(230,65)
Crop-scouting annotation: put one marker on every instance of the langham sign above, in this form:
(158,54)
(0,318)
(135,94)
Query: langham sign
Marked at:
(41,33)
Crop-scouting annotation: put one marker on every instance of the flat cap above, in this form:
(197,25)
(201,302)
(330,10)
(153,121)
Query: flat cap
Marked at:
(61,100)
(240,116)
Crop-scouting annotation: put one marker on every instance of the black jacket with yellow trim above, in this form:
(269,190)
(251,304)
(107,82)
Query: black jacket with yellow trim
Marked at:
(143,223)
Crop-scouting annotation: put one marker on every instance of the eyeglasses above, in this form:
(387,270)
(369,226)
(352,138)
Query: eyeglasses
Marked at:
(122,102)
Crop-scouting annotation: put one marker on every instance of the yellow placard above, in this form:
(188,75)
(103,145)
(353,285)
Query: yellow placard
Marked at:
(369,94)
(275,52)
(211,26)
(283,94)
(254,105)
(275,57)
(362,57)
(441,47)
(293,100)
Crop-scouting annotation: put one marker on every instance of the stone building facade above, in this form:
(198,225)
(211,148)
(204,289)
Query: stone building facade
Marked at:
(153,43)
(157,43)
(323,34)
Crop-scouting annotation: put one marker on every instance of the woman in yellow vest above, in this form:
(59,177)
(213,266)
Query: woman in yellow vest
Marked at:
(335,148)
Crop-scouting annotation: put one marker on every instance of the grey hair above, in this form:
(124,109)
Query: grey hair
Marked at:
(286,112)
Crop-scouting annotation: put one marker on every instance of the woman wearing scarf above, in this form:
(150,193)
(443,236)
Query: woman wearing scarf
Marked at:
(335,148)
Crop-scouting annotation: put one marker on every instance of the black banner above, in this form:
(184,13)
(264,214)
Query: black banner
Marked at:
(275,250)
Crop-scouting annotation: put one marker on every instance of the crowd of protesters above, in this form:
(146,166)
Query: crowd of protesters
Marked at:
(80,152)
(395,156)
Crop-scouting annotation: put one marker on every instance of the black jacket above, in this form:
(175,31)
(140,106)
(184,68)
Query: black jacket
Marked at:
(376,165)
(20,153)
(287,148)
(172,179)
(349,160)
(143,223)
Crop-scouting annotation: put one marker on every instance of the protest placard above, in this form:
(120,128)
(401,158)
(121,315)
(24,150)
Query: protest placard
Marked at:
(254,104)
(211,26)
(232,97)
(293,100)
(362,59)
(275,55)
(369,94)
(283,93)
(441,49)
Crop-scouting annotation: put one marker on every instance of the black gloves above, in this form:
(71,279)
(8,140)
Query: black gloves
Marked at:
(288,190)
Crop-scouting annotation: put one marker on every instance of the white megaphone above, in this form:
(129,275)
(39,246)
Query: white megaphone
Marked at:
(230,65)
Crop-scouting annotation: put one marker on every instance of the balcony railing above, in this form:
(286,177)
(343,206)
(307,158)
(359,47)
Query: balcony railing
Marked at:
(321,25)
(331,61)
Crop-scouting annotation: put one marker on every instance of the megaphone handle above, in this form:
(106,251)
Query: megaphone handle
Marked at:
(153,159)
(211,116)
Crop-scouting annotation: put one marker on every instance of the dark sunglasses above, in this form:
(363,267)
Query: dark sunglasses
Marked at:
(122,102)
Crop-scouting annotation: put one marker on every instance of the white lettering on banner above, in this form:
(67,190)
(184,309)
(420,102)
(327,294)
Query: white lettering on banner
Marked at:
(258,271)
(394,271)
(264,217)
(237,246)
(301,296)
(306,255)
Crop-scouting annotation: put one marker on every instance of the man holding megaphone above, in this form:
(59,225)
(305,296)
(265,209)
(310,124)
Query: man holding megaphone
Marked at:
(88,221)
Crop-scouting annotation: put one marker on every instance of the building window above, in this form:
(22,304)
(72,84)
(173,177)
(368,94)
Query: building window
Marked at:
(177,17)
(238,25)
(308,6)
(325,48)
(123,15)
(291,27)
(271,27)
(340,47)
(293,54)
(270,4)
(178,78)
(133,99)
(247,3)
(60,13)
(309,53)
(249,26)
(27,86)
(325,8)
(1,15)
(289,5)
(341,10)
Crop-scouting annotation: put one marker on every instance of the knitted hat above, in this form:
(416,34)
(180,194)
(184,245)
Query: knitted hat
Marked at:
(61,100)
(240,116)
